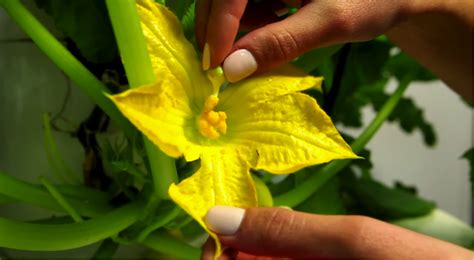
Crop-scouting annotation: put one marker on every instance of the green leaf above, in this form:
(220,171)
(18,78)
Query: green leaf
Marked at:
(327,200)
(469,155)
(87,24)
(50,237)
(188,22)
(373,198)
(313,59)
(401,65)
(409,116)
(179,7)
(441,225)
(362,75)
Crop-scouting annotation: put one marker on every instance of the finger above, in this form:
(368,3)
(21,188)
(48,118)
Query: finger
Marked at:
(222,27)
(285,233)
(278,43)
(280,232)
(203,7)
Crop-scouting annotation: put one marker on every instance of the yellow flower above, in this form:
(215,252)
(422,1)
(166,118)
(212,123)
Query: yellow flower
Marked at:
(259,123)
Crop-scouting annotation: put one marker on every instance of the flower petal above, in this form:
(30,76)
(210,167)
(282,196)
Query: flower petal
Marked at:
(223,179)
(281,81)
(170,52)
(160,112)
(289,132)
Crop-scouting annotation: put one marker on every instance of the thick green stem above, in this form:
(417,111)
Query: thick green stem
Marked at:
(136,60)
(25,192)
(53,237)
(165,243)
(65,61)
(296,196)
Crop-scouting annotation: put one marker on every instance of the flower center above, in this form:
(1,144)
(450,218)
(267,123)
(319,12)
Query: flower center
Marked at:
(212,124)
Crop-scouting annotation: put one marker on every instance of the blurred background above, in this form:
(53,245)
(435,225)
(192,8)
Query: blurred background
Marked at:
(30,84)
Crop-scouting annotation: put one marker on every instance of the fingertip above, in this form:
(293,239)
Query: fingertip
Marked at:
(239,65)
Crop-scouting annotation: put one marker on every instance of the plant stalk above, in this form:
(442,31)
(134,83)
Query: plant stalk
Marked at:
(136,60)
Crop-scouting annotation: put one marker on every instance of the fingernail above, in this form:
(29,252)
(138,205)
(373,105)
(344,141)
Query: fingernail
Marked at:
(281,12)
(206,57)
(239,65)
(224,220)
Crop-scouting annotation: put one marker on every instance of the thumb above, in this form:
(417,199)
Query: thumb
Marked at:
(280,232)
(277,43)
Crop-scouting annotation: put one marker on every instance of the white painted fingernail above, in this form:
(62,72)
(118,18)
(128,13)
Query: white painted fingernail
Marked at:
(281,12)
(224,220)
(239,64)
(206,57)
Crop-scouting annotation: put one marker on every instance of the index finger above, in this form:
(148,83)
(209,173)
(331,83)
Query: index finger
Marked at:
(222,28)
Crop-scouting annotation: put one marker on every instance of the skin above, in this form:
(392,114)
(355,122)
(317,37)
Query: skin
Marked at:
(437,33)
(277,233)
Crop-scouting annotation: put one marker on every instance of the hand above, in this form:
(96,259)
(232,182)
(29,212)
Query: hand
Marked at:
(437,33)
(278,232)
(272,43)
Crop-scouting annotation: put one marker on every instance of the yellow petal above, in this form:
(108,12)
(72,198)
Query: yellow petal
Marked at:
(223,179)
(281,81)
(170,52)
(289,132)
(161,113)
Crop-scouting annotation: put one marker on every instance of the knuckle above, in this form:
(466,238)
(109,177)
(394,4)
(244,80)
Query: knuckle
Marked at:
(285,44)
(279,224)
(344,20)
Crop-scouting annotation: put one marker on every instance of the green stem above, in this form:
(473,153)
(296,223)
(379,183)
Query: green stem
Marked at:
(160,221)
(136,60)
(165,243)
(66,61)
(59,166)
(34,195)
(296,196)
(106,250)
(61,200)
(53,237)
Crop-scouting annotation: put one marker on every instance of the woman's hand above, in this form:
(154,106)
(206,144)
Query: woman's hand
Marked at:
(437,33)
(279,232)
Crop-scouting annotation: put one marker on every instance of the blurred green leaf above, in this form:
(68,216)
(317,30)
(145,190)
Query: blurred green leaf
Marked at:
(313,59)
(402,65)
(362,76)
(375,199)
(188,22)
(469,155)
(327,200)
(179,7)
(87,24)
(409,116)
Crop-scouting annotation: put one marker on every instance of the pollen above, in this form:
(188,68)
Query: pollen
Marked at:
(212,124)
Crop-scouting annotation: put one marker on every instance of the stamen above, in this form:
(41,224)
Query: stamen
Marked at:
(212,124)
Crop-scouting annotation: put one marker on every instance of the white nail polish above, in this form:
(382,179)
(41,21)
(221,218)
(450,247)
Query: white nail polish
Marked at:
(206,57)
(239,65)
(224,220)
